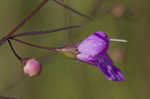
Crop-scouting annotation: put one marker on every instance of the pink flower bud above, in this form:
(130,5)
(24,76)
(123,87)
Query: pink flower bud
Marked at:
(32,67)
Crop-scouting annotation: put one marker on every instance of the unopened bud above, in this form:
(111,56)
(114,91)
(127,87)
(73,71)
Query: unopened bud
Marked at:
(31,67)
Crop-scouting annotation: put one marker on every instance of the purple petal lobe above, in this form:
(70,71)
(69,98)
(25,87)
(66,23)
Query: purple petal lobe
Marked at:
(93,50)
(105,64)
(95,45)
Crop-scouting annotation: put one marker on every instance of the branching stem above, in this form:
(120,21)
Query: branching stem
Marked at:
(5,38)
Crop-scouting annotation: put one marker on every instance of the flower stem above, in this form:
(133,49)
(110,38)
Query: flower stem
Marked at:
(5,38)
(44,32)
(36,46)
(13,50)
(71,9)
(6,97)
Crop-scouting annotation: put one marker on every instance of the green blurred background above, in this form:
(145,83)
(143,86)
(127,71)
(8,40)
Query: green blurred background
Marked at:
(65,78)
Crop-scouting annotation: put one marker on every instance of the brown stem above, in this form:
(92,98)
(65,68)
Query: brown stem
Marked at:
(44,32)
(33,45)
(71,9)
(23,22)
(6,97)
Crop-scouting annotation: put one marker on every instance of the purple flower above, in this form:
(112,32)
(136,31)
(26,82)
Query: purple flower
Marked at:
(93,50)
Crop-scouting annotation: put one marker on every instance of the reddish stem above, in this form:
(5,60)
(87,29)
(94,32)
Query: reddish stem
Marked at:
(6,97)
(23,22)
(44,32)
(61,3)
(36,46)
(28,17)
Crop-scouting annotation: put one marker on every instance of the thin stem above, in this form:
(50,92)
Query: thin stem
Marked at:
(71,9)
(4,39)
(44,32)
(6,97)
(13,50)
(33,45)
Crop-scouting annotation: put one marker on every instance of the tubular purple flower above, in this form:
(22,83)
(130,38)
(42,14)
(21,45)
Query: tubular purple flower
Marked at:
(93,50)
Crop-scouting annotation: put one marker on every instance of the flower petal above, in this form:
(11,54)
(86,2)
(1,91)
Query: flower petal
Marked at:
(95,45)
(106,65)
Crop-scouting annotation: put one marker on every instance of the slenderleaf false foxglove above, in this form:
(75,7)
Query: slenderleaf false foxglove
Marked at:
(93,50)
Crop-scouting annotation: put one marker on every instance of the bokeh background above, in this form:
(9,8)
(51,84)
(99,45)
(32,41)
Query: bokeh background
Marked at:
(65,78)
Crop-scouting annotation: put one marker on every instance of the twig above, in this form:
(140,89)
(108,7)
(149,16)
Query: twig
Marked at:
(33,45)
(71,9)
(13,50)
(4,39)
(6,97)
(44,32)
